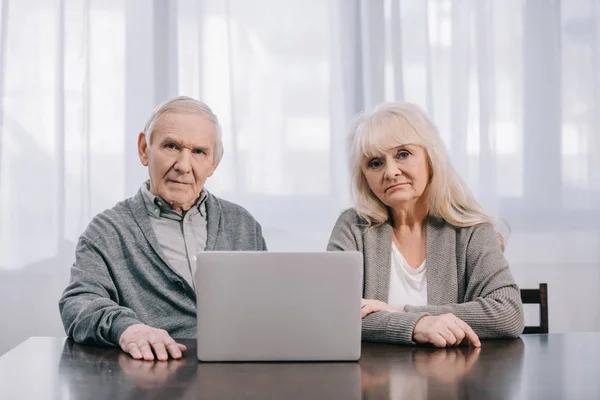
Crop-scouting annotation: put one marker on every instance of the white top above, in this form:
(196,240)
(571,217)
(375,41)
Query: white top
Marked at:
(407,285)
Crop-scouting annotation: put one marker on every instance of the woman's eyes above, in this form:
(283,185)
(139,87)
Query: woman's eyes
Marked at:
(375,163)
(402,154)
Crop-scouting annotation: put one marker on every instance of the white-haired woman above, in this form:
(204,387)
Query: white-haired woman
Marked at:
(434,271)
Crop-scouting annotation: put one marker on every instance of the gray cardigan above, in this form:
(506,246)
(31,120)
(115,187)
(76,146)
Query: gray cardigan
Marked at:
(467,275)
(121,276)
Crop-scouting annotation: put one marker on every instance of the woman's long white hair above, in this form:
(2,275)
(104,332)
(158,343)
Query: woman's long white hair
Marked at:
(393,124)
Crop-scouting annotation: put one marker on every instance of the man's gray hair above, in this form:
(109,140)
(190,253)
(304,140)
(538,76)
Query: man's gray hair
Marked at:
(184,104)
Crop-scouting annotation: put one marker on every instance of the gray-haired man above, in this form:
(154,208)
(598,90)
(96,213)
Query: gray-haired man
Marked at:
(132,281)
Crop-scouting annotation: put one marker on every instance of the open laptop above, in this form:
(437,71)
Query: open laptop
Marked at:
(266,306)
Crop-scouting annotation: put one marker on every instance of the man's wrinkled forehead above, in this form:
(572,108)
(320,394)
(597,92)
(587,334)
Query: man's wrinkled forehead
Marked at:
(194,128)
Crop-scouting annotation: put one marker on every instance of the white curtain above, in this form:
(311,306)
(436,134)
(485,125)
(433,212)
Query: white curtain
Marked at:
(514,86)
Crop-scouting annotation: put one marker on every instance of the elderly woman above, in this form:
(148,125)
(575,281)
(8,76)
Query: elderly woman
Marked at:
(434,271)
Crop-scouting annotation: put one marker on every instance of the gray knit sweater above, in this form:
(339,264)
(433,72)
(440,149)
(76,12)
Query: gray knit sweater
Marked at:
(121,276)
(467,275)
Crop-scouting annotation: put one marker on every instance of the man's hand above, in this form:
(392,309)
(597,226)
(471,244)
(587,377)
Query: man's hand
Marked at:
(141,340)
(444,330)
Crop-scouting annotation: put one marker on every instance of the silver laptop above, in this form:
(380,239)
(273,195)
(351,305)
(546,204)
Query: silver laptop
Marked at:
(265,306)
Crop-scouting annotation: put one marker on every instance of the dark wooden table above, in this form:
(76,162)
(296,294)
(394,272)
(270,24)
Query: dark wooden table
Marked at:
(555,366)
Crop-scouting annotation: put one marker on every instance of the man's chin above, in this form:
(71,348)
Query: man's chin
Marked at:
(183,199)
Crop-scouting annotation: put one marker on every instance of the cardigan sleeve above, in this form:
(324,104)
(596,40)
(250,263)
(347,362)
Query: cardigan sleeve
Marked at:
(390,327)
(88,308)
(492,304)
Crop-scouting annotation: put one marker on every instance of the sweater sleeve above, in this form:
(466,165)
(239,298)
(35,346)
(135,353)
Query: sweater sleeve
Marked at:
(492,304)
(390,327)
(89,305)
(262,244)
(382,326)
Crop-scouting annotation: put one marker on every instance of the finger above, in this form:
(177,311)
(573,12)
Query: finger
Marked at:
(182,347)
(472,337)
(174,350)
(448,336)
(380,305)
(469,333)
(146,350)
(160,350)
(458,332)
(366,310)
(437,340)
(392,309)
(133,349)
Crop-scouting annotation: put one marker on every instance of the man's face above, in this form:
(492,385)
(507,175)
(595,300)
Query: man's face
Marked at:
(180,157)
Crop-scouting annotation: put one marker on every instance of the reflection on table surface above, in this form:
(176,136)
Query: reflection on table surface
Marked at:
(535,366)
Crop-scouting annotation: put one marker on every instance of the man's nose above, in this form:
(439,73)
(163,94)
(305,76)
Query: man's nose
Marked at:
(183,164)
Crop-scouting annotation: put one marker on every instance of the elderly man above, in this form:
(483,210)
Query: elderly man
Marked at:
(132,283)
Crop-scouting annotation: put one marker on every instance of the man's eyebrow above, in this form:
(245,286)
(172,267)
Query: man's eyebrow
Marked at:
(169,138)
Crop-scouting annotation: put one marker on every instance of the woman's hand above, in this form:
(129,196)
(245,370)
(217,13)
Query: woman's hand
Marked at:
(444,330)
(369,306)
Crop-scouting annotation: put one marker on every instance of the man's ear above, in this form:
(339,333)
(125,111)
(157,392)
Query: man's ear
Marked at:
(143,149)
(212,169)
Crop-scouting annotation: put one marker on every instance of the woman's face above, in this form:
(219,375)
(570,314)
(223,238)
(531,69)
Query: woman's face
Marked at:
(399,176)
